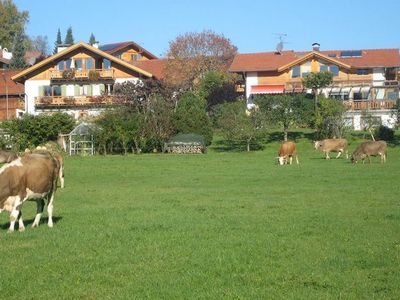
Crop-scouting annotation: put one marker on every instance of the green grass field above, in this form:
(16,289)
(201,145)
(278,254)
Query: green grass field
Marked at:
(214,226)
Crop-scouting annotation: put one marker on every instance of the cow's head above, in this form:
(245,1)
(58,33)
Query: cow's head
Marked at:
(281,160)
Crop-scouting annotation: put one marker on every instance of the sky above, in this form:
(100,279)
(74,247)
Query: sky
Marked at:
(251,25)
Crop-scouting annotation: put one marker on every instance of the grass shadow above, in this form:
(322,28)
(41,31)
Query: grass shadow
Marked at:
(234,146)
(29,222)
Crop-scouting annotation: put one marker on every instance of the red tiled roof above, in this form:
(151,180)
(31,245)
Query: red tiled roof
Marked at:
(153,66)
(271,61)
(13,87)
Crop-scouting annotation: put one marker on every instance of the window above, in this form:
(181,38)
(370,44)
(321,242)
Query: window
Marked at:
(296,72)
(47,90)
(89,63)
(60,65)
(106,63)
(363,71)
(56,90)
(136,56)
(68,63)
(305,74)
(78,64)
(323,68)
(334,70)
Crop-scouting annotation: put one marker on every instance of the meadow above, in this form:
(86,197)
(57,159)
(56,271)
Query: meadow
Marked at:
(221,225)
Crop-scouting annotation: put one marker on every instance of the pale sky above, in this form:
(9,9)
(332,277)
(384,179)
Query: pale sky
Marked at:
(252,25)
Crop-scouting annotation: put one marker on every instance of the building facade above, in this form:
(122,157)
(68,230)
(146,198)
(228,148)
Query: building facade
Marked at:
(366,81)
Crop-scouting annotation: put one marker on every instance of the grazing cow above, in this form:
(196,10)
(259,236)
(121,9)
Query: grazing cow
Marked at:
(7,156)
(332,145)
(31,177)
(368,149)
(287,150)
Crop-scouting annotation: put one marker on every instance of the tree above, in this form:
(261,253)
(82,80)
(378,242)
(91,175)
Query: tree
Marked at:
(18,58)
(69,39)
(330,122)
(191,117)
(41,44)
(92,39)
(317,81)
(237,125)
(12,22)
(192,55)
(58,41)
(285,110)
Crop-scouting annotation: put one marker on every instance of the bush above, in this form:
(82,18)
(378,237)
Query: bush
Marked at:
(31,131)
(384,133)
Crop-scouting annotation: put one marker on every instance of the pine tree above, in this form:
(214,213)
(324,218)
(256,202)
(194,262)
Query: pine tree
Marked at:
(18,58)
(69,39)
(58,41)
(92,39)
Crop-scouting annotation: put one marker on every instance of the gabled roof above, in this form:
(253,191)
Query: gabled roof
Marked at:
(273,61)
(116,47)
(13,88)
(50,60)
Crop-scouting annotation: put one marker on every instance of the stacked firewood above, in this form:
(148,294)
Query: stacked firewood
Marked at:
(185,149)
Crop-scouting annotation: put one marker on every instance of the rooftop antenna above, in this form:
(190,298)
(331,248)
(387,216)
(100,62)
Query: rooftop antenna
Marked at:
(279,46)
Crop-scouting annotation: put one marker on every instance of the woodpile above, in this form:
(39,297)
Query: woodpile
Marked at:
(185,149)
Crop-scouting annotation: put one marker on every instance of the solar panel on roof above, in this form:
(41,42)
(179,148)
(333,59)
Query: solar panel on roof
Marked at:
(351,53)
(109,47)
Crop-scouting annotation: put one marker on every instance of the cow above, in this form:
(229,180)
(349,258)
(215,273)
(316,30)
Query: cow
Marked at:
(7,156)
(332,145)
(368,149)
(31,177)
(286,151)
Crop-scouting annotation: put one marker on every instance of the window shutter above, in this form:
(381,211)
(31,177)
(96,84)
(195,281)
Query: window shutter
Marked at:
(63,90)
(89,90)
(102,89)
(41,91)
(76,90)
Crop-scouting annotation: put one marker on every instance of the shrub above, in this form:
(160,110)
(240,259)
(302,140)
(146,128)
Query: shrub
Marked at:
(384,133)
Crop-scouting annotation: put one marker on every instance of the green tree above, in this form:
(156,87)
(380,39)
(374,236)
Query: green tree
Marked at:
(92,39)
(18,58)
(330,122)
(58,41)
(191,117)
(12,22)
(286,110)
(317,81)
(237,125)
(69,38)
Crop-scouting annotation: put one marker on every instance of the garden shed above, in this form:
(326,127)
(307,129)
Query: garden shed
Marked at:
(185,143)
(81,139)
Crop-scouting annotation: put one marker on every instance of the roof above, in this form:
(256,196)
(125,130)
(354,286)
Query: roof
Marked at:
(116,47)
(153,66)
(50,60)
(273,61)
(13,88)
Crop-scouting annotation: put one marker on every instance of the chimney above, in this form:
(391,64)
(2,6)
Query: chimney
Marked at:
(96,44)
(315,46)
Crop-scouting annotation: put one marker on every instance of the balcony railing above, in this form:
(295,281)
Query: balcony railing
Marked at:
(59,101)
(82,74)
(370,104)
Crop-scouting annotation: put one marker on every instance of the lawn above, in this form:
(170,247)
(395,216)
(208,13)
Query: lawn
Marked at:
(222,225)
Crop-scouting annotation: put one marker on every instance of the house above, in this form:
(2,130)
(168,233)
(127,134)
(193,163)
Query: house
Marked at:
(11,95)
(79,79)
(365,80)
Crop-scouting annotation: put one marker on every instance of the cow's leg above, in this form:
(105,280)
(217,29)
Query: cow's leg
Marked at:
(290,160)
(339,153)
(50,210)
(327,155)
(347,154)
(61,176)
(297,160)
(39,211)
(15,213)
(21,226)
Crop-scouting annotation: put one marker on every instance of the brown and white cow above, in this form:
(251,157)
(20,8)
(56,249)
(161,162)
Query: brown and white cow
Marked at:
(368,149)
(286,152)
(31,177)
(332,145)
(7,156)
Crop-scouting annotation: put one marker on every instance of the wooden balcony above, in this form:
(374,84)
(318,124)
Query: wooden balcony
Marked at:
(370,104)
(72,101)
(82,74)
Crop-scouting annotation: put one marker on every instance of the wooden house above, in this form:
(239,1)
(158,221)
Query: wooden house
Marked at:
(365,80)
(78,80)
